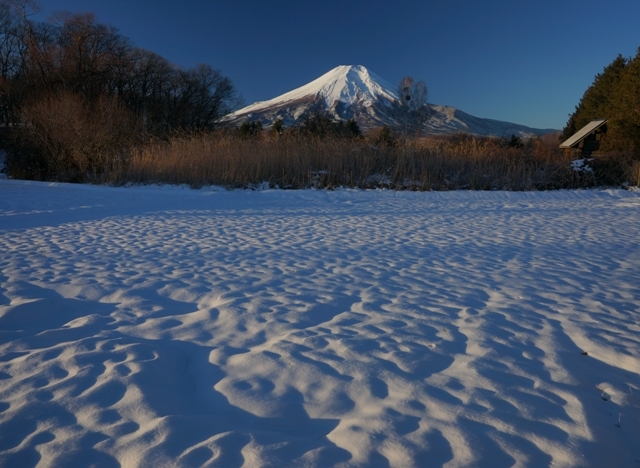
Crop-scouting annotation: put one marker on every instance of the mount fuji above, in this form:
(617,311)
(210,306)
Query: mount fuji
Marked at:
(353,92)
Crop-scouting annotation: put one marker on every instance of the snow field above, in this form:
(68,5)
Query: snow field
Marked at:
(175,327)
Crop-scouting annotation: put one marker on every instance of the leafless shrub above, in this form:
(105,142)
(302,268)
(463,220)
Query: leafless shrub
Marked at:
(615,167)
(65,137)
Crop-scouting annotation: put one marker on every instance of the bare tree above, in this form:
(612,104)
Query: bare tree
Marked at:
(12,56)
(411,108)
(70,138)
(74,93)
(15,34)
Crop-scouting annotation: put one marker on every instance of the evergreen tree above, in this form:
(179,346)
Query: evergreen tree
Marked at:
(386,138)
(249,130)
(321,125)
(277,128)
(353,129)
(514,142)
(596,101)
(318,125)
(624,112)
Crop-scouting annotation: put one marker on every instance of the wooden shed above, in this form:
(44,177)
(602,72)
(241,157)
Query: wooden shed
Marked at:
(586,141)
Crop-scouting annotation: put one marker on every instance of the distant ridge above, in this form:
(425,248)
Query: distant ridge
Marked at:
(354,92)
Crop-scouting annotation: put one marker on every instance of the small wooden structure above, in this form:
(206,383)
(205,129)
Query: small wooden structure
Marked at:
(586,141)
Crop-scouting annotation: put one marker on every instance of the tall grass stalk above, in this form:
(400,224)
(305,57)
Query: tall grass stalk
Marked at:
(297,162)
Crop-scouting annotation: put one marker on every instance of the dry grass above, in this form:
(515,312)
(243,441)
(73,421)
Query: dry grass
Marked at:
(296,162)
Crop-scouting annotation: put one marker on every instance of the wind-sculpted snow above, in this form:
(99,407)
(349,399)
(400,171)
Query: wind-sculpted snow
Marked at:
(174,327)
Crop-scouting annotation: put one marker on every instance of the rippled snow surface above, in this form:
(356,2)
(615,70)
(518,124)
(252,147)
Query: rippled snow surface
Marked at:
(174,327)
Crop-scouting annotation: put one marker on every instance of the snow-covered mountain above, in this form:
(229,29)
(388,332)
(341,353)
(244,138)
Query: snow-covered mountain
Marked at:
(353,92)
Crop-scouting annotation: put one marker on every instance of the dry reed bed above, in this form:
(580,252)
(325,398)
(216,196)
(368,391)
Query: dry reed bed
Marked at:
(296,162)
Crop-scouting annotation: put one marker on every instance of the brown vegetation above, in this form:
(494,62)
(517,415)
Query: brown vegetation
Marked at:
(294,161)
(74,94)
(66,137)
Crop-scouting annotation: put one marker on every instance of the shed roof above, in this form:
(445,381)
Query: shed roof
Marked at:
(583,132)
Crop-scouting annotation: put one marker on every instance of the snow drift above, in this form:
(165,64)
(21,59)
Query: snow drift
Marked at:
(172,327)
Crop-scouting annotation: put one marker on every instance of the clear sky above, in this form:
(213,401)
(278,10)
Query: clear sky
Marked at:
(526,62)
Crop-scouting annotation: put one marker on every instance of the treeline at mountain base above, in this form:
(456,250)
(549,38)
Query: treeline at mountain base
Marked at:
(293,158)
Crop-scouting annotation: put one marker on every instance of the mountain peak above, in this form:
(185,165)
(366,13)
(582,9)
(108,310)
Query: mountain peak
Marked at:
(350,84)
(353,92)
(346,84)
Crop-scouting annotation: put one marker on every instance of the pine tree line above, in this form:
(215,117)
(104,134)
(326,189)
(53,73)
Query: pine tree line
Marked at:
(615,96)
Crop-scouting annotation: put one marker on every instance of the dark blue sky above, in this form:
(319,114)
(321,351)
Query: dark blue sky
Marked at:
(527,62)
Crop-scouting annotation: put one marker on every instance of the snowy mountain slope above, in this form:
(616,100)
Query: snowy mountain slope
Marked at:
(351,85)
(447,119)
(353,92)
